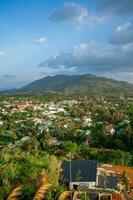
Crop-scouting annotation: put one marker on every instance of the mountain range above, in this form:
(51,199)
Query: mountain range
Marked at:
(76,85)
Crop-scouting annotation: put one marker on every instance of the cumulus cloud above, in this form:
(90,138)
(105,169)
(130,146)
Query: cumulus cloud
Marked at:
(120,7)
(93,58)
(69,11)
(74,12)
(123,34)
(42,40)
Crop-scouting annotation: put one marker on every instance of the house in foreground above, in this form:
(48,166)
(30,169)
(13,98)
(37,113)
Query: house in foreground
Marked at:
(85,173)
(79,173)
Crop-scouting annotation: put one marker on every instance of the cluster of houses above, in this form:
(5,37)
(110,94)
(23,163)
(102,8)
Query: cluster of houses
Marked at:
(59,114)
(67,115)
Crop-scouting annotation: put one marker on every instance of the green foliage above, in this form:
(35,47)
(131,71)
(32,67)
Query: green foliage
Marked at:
(53,171)
(125,181)
(20,167)
(55,192)
(28,191)
(84,197)
(26,151)
(69,147)
(77,84)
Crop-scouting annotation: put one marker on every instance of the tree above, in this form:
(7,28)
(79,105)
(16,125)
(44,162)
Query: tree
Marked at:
(70,146)
(125,180)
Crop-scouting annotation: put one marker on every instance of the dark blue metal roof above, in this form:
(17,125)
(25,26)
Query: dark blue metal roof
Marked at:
(81,171)
(107,181)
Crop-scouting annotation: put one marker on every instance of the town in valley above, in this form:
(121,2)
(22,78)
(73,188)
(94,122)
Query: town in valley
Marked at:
(66,147)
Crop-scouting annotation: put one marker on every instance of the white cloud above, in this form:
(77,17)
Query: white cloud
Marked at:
(55,55)
(79,50)
(76,13)
(69,11)
(123,34)
(2,53)
(42,40)
(124,27)
(93,57)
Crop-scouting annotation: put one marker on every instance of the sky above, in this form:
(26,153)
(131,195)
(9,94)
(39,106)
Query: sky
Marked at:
(41,38)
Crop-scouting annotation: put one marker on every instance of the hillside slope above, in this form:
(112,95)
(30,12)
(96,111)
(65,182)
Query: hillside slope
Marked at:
(78,84)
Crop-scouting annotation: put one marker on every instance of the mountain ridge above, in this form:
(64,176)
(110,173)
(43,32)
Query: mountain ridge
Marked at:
(76,85)
(80,84)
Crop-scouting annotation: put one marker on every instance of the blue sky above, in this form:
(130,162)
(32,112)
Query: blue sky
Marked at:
(48,37)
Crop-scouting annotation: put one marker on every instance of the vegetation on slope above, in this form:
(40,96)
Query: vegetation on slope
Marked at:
(78,85)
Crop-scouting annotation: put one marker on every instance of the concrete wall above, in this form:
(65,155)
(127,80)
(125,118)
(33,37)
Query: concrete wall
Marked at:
(82,184)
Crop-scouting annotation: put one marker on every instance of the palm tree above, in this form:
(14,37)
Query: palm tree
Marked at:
(43,188)
(15,194)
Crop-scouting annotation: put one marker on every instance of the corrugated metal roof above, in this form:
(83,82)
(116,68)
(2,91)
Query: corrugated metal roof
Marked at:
(81,171)
(107,181)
